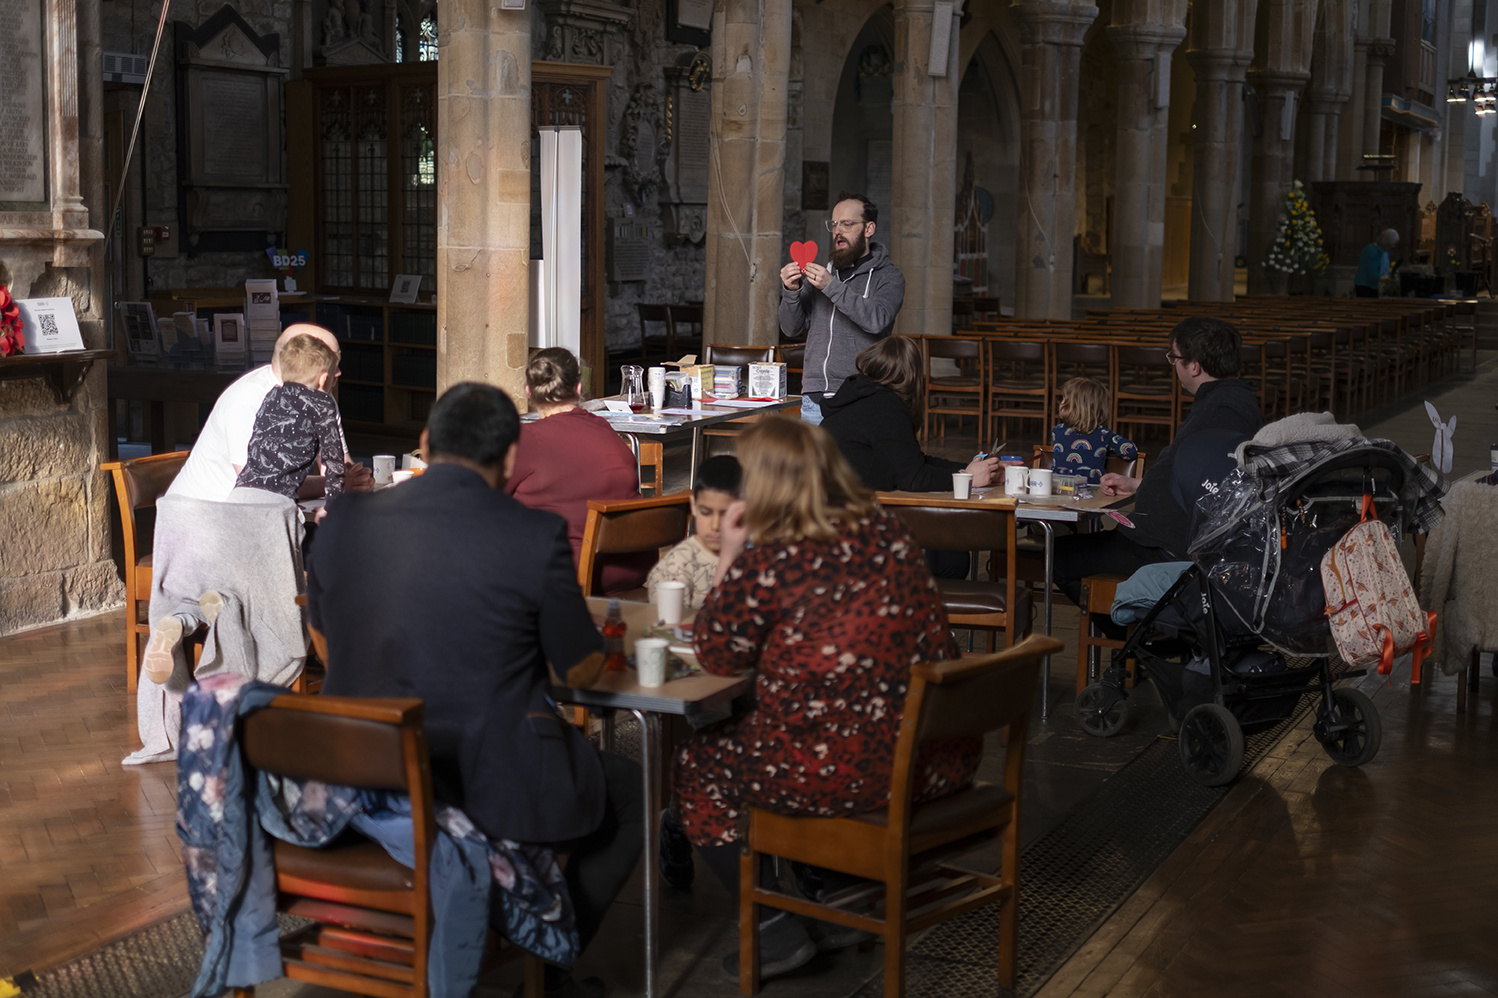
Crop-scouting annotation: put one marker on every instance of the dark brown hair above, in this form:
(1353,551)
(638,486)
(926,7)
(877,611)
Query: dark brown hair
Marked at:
(895,362)
(552,376)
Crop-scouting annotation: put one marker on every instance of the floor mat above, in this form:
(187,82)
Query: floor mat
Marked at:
(1075,875)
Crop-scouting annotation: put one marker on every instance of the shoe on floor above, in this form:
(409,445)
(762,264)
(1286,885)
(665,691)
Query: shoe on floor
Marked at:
(163,650)
(784,945)
(676,853)
(563,986)
(831,937)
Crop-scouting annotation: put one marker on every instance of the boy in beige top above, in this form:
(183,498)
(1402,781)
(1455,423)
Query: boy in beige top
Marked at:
(694,560)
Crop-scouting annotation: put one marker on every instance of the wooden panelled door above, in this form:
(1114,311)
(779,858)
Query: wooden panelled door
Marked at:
(574,95)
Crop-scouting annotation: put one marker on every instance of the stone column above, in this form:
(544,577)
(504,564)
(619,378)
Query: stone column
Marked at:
(746,185)
(1051,33)
(924,168)
(1144,33)
(1330,88)
(1272,161)
(1350,135)
(1379,51)
(483,195)
(1221,48)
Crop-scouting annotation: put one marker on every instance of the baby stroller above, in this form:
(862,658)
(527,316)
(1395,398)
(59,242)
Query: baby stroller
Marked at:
(1241,634)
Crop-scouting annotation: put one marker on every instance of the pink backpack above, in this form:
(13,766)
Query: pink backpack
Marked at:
(1369,600)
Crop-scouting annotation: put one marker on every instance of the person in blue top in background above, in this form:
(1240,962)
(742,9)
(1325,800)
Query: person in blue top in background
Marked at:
(1082,440)
(1373,265)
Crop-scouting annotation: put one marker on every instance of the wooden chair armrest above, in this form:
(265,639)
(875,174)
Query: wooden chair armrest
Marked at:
(387,710)
(648,502)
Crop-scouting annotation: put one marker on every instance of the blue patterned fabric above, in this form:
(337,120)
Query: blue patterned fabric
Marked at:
(226,815)
(1086,454)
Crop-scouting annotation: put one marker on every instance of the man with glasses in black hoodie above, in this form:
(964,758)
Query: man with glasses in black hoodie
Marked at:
(843,307)
(1205,354)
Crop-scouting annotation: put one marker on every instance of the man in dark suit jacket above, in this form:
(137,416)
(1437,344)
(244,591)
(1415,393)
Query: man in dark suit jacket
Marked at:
(449,590)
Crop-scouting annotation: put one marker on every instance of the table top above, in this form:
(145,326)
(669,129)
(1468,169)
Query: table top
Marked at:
(622,689)
(646,422)
(1062,509)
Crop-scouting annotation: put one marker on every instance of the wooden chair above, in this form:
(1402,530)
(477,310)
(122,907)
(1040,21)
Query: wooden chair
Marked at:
(653,456)
(626,526)
(736,356)
(1112,464)
(985,606)
(793,356)
(138,483)
(1145,389)
(905,846)
(958,394)
(1018,383)
(1098,592)
(373,916)
(686,327)
(661,314)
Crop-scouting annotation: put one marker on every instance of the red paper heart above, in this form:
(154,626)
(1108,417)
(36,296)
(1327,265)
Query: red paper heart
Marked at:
(804,253)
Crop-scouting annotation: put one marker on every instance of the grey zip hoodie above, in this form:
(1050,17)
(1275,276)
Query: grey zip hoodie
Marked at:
(858,307)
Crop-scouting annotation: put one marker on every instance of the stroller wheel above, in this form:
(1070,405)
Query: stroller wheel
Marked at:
(1355,737)
(1211,744)
(1103,710)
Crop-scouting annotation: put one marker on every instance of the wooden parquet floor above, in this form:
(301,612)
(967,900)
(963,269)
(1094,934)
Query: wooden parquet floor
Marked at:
(88,852)
(1315,880)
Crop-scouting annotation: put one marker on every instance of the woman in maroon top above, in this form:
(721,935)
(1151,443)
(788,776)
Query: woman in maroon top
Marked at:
(569,456)
(830,600)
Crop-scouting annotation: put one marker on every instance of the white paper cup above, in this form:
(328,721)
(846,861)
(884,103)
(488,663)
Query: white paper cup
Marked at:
(410,462)
(669,599)
(1040,481)
(650,661)
(1014,480)
(384,467)
(656,379)
(402,476)
(962,485)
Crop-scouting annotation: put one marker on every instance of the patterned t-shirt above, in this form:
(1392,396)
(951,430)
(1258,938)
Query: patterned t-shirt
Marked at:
(1087,453)
(687,562)
(295,426)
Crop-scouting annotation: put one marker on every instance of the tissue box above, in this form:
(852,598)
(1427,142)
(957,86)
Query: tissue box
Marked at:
(767,381)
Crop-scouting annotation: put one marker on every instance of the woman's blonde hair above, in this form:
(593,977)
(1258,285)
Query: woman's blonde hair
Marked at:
(895,362)
(1086,401)
(797,485)
(552,376)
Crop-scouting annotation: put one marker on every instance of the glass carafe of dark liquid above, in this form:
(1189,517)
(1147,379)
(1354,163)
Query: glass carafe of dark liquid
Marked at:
(633,388)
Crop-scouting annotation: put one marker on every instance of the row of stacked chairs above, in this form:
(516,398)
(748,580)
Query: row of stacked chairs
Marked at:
(1343,355)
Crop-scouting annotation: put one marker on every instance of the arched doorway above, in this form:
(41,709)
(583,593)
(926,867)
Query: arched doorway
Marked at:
(863,119)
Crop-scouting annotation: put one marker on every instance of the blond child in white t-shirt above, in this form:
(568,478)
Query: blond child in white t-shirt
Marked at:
(694,560)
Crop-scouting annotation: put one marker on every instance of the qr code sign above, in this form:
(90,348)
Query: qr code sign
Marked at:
(48,324)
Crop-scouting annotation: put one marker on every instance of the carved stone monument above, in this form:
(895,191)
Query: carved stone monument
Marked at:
(229,116)
(23,106)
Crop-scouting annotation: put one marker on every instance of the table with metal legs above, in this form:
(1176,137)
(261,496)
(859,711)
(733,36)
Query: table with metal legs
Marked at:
(621,691)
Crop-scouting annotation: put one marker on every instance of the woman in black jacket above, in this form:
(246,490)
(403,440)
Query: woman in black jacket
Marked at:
(873,417)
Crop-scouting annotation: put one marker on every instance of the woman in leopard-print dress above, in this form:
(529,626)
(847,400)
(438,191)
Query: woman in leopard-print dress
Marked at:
(832,605)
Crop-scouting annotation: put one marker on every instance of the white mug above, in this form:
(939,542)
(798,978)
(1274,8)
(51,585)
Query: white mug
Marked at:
(650,661)
(962,485)
(384,468)
(669,597)
(1014,479)
(1040,481)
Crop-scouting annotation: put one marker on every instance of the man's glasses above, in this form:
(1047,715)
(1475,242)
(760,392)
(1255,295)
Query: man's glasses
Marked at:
(1173,358)
(848,226)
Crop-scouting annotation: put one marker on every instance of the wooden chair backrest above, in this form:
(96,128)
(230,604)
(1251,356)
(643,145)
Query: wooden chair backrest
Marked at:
(968,697)
(792,355)
(629,525)
(138,483)
(737,356)
(952,348)
(1112,464)
(941,528)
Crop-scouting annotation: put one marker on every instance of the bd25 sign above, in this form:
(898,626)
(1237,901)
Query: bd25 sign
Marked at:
(283,259)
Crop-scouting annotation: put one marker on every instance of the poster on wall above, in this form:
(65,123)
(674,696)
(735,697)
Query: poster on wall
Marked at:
(49,325)
(561,272)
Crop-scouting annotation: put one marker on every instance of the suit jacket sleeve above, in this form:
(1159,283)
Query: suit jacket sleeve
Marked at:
(566,628)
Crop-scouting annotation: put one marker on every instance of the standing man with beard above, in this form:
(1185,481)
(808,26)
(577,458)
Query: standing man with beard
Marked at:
(843,308)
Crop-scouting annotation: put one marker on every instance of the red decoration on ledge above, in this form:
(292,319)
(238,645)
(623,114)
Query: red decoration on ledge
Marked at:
(10,324)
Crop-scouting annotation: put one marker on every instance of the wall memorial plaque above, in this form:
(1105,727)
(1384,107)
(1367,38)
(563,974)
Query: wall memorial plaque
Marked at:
(689,129)
(234,107)
(23,105)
